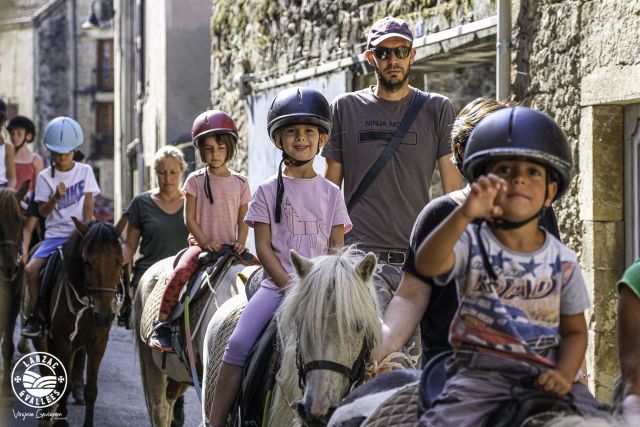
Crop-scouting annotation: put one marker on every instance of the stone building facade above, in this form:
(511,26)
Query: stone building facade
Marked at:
(51,66)
(162,80)
(577,60)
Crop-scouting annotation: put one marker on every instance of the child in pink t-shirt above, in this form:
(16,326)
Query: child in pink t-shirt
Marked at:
(216,203)
(297,209)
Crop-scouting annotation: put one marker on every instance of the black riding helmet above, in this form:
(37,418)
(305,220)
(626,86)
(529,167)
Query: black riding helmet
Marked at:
(519,132)
(297,105)
(24,123)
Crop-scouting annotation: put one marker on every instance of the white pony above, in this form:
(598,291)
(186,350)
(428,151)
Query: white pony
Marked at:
(164,376)
(327,324)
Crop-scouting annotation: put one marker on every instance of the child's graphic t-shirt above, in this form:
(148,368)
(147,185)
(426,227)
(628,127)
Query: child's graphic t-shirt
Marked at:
(518,315)
(78,181)
(310,208)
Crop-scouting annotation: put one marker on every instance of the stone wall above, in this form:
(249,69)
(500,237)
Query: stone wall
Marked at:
(16,67)
(578,61)
(267,39)
(53,93)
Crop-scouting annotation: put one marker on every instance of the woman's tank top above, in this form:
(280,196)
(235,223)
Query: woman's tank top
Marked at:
(26,171)
(3,166)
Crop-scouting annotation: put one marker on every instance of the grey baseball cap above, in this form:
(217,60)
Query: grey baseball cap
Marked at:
(386,28)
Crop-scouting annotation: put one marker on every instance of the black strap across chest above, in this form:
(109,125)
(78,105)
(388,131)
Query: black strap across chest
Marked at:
(394,143)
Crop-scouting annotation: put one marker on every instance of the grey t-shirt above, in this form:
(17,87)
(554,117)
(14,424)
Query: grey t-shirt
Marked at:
(161,234)
(363,124)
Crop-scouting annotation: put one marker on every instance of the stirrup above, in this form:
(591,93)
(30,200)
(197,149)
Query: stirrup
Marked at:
(154,342)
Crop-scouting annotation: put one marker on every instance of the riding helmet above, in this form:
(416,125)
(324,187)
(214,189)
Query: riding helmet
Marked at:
(213,122)
(24,123)
(62,135)
(519,132)
(299,105)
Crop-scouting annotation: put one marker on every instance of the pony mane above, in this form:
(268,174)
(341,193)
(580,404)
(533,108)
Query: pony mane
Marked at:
(331,290)
(101,237)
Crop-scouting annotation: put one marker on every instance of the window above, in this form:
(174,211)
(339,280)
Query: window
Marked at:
(105,65)
(632,182)
(103,137)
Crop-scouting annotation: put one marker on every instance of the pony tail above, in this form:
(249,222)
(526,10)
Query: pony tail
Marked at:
(53,167)
(280,190)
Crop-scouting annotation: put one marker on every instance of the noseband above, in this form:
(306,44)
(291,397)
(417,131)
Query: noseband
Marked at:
(354,373)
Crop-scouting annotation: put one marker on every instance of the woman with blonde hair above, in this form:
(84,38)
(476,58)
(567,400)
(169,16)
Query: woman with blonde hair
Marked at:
(155,219)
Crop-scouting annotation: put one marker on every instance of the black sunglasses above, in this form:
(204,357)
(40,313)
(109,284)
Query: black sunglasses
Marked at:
(384,53)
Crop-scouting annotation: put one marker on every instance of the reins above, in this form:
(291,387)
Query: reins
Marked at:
(86,302)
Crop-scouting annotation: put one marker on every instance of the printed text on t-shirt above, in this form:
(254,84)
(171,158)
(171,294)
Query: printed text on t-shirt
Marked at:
(71,196)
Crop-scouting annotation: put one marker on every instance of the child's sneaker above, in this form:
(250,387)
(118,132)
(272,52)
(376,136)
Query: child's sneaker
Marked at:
(160,338)
(32,327)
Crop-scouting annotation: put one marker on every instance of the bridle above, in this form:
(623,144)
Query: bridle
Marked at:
(354,373)
(87,302)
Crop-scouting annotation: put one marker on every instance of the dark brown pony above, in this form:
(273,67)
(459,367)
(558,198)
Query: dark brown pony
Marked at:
(11,275)
(82,303)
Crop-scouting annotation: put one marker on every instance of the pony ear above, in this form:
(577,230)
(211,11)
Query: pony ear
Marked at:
(301,264)
(80,226)
(366,266)
(22,190)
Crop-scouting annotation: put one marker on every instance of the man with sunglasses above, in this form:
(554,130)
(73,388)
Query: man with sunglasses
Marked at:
(363,124)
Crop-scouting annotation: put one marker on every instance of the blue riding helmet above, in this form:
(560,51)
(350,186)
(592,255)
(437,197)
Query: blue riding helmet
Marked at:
(62,135)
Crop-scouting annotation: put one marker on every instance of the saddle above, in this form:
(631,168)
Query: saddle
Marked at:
(48,277)
(529,405)
(259,376)
(214,265)
(432,380)
(199,288)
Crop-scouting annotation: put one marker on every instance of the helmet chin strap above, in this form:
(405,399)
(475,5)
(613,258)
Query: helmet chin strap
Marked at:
(288,161)
(505,224)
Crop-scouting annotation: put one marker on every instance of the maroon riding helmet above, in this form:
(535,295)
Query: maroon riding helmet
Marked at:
(213,122)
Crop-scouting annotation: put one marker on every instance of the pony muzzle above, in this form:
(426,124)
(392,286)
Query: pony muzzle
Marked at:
(102,321)
(310,420)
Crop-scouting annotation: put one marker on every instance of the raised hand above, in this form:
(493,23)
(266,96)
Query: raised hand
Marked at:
(481,200)
(61,189)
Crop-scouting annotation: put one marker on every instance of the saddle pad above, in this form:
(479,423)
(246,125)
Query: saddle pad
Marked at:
(400,409)
(216,350)
(152,304)
(253,284)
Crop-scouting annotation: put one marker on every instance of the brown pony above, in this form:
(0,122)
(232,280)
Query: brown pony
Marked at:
(82,303)
(11,275)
